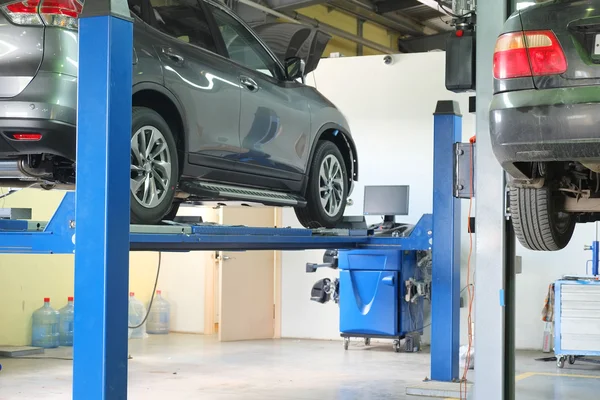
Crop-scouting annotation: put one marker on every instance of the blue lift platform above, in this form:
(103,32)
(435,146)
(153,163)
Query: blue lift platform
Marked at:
(93,222)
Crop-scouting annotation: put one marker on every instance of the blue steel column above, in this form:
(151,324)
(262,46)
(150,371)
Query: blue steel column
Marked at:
(595,258)
(445,300)
(102,201)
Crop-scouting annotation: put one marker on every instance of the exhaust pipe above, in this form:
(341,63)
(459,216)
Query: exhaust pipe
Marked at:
(18,169)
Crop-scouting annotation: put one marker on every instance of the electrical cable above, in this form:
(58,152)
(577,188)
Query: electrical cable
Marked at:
(419,330)
(470,287)
(153,293)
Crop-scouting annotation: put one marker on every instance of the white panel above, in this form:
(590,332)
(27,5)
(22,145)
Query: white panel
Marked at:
(581,342)
(580,317)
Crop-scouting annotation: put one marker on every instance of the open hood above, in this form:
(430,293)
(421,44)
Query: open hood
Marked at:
(294,40)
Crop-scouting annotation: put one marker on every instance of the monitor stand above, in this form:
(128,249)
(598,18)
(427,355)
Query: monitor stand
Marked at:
(389,222)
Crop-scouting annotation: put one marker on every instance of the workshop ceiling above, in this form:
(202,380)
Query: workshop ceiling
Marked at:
(421,24)
(407,17)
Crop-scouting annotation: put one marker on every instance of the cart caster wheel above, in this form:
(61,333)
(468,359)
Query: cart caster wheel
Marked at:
(397,346)
(560,362)
(571,360)
(346,343)
(367,341)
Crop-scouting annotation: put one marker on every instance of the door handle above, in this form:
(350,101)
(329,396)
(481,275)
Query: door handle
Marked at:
(172,55)
(249,83)
(223,258)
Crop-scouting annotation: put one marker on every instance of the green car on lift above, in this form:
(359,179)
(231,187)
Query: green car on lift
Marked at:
(545,119)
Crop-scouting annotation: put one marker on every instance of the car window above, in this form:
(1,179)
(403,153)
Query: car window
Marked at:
(243,47)
(184,20)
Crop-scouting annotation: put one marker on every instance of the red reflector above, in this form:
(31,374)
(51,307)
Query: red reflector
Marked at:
(27,136)
(529,53)
(460,33)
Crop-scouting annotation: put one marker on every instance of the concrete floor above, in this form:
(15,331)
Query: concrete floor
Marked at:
(183,367)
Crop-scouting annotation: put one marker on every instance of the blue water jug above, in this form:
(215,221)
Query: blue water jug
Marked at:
(65,328)
(159,318)
(45,327)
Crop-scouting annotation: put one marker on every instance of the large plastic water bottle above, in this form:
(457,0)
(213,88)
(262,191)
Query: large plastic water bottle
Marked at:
(65,327)
(45,326)
(159,318)
(137,312)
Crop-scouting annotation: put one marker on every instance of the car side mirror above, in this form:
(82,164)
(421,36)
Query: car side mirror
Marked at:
(295,67)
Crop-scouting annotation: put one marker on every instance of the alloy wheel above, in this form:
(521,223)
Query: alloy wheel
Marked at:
(150,166)
(331,185)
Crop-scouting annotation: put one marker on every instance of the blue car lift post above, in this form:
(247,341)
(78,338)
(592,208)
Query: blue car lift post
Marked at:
(99,214)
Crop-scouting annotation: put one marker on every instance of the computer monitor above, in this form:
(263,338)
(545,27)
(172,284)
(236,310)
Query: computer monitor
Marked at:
(388,201)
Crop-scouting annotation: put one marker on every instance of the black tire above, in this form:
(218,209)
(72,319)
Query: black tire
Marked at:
(173,211)
(538,226)
(572,360)
(140,214)
(314,215)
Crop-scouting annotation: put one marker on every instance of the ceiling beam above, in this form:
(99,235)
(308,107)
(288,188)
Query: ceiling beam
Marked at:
(290,5)
(395,22)
(424,44)
(435,5)
(387,6)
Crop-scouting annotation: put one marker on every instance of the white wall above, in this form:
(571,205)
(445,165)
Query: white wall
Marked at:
(390,112)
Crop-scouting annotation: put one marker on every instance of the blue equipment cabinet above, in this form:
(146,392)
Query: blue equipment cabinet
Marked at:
(372,294)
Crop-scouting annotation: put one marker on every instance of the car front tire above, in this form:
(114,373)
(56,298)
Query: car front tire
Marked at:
(154,167)
(327,189)
(538,225)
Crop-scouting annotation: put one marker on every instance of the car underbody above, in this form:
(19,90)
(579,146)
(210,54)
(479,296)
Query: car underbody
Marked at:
(575,185)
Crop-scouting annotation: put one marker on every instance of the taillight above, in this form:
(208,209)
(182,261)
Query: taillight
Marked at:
(28,137)
(60,13)
(530,53)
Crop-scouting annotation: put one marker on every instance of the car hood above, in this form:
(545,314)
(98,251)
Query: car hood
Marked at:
(294,40)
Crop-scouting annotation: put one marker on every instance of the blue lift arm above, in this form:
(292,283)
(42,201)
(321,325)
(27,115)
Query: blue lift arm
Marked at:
(58,236)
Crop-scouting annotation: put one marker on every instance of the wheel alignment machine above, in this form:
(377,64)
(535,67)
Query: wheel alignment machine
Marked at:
(98,212)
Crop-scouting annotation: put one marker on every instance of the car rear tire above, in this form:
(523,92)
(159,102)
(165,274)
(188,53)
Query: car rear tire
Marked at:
(154,167)
(327,189)
(538,226)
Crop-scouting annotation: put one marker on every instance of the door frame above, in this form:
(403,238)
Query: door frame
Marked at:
(211,283)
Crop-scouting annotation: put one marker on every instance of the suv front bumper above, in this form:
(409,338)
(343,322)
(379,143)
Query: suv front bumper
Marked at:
(545,125)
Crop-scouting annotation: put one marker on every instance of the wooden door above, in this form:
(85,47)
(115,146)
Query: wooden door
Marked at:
(246,282)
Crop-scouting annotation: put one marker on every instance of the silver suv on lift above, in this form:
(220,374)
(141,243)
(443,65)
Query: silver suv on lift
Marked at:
(218,116)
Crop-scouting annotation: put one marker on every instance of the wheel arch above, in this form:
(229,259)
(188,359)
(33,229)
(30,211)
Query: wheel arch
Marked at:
(344,142)
(164,102)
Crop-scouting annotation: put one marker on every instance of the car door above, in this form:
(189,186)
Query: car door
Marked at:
(275,118)
(205,83)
